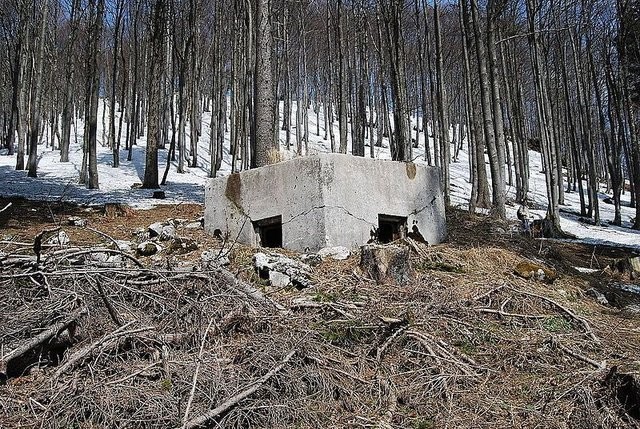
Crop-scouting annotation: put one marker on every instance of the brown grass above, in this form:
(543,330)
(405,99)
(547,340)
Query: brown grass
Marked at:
(465,344)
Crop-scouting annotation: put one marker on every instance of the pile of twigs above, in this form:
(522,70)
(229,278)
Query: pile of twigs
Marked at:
(93,337)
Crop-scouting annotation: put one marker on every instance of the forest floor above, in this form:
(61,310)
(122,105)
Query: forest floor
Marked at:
(95,335)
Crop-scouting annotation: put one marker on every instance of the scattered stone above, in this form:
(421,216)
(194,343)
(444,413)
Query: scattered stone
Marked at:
(59,239)
(181,245)
(531,270)
(163,230)
(124,245)
(633,309)
(268,265)
(159,195)
(107,259)
(214,257)
(193,225)
(598,296)
(338,253)
(385,263)
(77,221)
(155,229)
(312,259)
(148,248)
(277,279)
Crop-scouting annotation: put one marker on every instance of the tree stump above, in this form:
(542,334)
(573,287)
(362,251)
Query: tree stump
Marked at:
(386,264)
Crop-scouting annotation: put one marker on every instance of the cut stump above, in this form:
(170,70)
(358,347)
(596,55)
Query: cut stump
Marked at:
(386,264)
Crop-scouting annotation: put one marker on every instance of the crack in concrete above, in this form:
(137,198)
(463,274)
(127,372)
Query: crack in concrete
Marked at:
(324,206)
(423,208)
(304,213)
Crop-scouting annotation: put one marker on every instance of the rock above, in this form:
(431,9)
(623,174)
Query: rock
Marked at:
(312,259)
(214,257)
(385,263)
(598,296)
(182,245)
(338,253)
(168,233)
(148,248)
(77,221)
(163,230)
(107,259)
(124,245)
(531,270)
(277,279)
(59,239)
(194,225)
(633,309)
(267,265)
(100,257)
(155,229)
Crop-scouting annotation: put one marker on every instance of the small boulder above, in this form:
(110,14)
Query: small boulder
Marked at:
(61,238)
(598,296)
(124,245)
(339,253)
(77,221)
(148,248)
(163,230)
(311,259)
(182,245)
(268,265)
(214,257)
(155,229)
(277,279)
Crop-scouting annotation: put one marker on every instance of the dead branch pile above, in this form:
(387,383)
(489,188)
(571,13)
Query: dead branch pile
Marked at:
(84,345)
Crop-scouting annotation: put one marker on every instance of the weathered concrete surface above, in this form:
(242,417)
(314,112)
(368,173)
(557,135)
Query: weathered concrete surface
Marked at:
(326,200)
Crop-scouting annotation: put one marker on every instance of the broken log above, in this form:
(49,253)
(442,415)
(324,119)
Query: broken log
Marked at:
(80,355)
(38,340)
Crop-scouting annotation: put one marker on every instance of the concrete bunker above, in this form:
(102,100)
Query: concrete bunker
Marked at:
(325,200)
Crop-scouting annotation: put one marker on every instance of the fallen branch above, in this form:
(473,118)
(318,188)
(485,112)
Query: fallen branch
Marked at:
(40,339)
(107,302)
(194,383)
(37,241)
(245,288)
(556,343)
(462,361)
(234,400)
(81,354)
(103,250)
(488,293)
(570,313)
(506,314)
(6,207)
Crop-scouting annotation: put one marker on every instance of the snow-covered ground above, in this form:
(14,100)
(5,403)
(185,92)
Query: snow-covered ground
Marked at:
(59,181)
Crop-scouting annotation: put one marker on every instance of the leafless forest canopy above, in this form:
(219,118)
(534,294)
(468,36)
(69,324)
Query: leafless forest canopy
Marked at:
(495,78)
